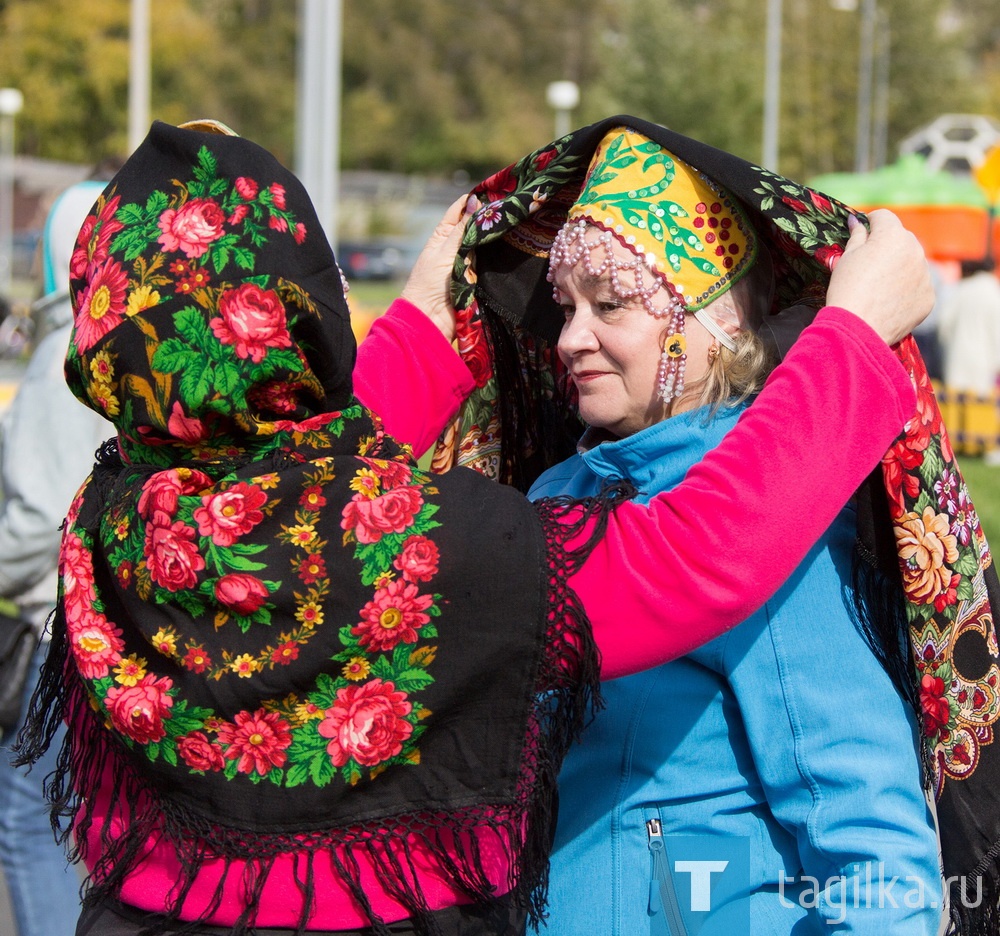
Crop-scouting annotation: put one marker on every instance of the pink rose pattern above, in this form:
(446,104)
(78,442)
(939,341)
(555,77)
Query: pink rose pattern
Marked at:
(230,514)
(367,723)
(180,541)
(131,258)
(139,711)
(193,543)
(192,228)
(252,320)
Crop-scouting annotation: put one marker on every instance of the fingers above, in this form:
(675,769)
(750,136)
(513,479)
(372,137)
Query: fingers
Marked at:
(451,227)
(884,219)
(858,236)
(455,211)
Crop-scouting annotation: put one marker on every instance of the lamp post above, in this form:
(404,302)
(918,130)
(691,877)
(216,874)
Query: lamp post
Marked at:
(871,19)
(866,70)
(138,74)
(317,138)
(11,102)
(872,120)
(772,85)
(562,97)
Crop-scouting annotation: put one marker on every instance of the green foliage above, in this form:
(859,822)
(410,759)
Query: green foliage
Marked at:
(984,490)
(442,85)
(229,59)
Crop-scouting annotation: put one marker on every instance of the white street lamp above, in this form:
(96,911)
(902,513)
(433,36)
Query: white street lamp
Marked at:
(11,102)
(562,97)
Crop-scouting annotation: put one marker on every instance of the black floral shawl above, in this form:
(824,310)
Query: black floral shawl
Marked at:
(274,632)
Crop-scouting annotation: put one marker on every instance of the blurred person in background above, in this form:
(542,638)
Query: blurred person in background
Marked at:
(47,445)
(969,331)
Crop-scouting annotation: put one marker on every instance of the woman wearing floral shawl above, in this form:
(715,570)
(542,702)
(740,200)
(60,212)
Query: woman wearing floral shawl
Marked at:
(312,688)
(621,199)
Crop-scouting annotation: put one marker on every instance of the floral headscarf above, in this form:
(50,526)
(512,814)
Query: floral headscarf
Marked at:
(274,631)
(926,587)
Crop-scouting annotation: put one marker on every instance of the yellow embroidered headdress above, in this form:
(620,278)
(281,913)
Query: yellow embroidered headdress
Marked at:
(690,239)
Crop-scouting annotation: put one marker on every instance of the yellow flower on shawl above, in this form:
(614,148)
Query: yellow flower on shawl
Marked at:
(366,482)
(165,641)
(131,669)
(140,299)
(244,666)
(102,368)
(356,668)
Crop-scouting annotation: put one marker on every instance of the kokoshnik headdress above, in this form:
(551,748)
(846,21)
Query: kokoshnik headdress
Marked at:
(927,586)
(690,241)
(274,632)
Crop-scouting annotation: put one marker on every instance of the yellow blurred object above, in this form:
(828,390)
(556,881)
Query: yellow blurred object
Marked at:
(361,321)
(987,174)
(208,125)
(972,420)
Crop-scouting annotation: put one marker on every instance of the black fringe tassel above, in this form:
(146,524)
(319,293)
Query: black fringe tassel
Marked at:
(91,760)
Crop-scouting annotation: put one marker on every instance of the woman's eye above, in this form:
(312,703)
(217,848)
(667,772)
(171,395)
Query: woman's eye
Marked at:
(567,310)
(609,306)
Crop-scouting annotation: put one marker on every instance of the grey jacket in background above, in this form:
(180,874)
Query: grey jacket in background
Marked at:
(47,444)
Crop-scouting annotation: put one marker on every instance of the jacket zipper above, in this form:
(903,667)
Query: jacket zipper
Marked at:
(661,886)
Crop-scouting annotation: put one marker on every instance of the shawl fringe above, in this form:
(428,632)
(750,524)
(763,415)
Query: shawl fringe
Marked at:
(880,613)
(536,427)
(569,662)
(976,911)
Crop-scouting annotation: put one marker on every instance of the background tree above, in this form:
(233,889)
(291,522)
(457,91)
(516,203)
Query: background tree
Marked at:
(230,59)
(443,85)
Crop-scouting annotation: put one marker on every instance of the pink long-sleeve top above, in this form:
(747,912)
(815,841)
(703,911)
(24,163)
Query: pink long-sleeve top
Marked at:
(666,577)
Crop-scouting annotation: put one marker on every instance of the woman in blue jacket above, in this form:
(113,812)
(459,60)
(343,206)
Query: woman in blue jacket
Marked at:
(759,748)
(781,753)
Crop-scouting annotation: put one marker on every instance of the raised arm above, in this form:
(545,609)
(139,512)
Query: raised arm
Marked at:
(674,574)
(701,558)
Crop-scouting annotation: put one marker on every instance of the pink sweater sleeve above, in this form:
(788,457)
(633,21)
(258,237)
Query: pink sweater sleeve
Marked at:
(675,573)
(404,348)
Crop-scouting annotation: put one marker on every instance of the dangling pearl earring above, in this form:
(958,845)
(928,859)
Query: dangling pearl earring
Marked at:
(673,360)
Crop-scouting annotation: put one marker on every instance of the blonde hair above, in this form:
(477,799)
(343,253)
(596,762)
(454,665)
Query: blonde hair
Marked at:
(732,376)
(735,375)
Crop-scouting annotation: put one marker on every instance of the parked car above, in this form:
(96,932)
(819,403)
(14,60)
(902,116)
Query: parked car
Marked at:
(371,261)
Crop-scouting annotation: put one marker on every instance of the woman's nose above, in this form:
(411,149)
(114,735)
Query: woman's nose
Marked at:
(578,334)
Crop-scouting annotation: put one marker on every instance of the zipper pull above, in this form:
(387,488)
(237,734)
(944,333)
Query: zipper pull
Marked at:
(654,833)
(664,911)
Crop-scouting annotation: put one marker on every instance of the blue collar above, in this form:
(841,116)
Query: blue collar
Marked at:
(663,452)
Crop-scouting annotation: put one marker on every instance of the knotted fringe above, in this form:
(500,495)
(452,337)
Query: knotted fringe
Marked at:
(91,760)
(976,912)
(571,662)
(880,613)
(537,429)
